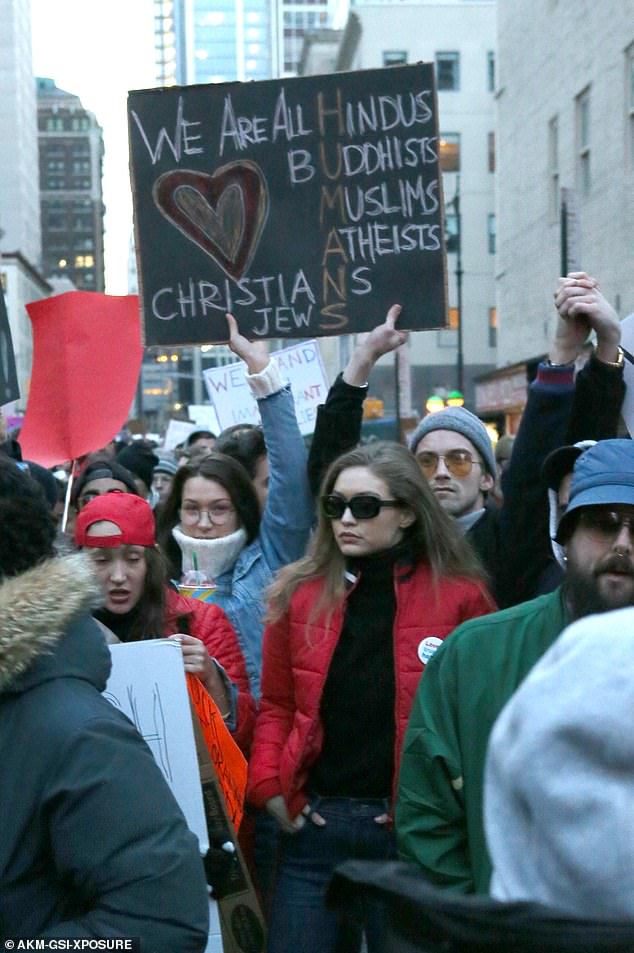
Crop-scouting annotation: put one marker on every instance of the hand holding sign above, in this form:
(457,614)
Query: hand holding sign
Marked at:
(255,354)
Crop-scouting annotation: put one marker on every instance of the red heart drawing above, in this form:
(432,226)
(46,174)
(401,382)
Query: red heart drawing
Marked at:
(223,213)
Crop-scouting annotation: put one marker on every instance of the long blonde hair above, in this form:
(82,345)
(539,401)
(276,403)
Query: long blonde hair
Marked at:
(432,537)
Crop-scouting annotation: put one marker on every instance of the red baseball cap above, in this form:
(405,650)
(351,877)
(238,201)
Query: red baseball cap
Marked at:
(130,513)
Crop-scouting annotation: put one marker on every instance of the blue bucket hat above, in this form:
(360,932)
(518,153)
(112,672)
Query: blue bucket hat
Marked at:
(602,476)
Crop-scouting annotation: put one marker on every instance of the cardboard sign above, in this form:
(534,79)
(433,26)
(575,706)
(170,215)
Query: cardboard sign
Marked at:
(177,432)
(304,206)
(229,763)
(86,360)
(147,683)
(9,389)
(301,365)
(204,417)
(241,922)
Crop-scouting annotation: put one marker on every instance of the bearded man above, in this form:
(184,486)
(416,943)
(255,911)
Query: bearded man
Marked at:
(473,674)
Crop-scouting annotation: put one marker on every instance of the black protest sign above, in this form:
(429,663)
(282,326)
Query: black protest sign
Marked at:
(9,389)
(304,206)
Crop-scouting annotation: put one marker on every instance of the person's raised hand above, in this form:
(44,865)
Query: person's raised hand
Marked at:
(254,353)
(381,340)
(579,299)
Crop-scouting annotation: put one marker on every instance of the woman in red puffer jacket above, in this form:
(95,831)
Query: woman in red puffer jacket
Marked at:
(351,627)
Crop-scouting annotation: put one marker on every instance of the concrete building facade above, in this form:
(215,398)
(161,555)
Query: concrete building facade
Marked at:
(565,120)
(20,235)
(71,196)
(459,37)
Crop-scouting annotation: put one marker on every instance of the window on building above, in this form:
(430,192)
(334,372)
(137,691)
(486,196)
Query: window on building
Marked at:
(54,182)
(491,151)
(553,169)
(392,57)
(448,71)
(491,71)
(449,151)
(493,327)
(451,232)
(583,141)
(84,261)
(629,99)
(56,221)
(491,234)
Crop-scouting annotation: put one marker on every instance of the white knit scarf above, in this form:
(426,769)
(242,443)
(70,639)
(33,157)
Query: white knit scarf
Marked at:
(212,556)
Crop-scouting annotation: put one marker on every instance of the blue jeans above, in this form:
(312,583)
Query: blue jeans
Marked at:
(300,921)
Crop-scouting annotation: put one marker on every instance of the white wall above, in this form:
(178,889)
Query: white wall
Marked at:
(19,171)
(548,52)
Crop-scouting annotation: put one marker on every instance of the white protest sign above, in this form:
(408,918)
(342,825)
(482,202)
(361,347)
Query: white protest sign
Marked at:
(627,343)
(147,683)
(205,417)
(177,432)
(301,365)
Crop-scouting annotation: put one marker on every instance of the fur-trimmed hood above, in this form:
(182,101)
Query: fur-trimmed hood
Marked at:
(40,634)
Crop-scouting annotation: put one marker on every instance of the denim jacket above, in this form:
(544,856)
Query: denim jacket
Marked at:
(283,535)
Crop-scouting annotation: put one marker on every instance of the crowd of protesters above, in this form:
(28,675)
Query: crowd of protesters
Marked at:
(315,595)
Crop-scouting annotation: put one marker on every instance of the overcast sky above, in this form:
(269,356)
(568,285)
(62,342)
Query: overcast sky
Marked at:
(98,50)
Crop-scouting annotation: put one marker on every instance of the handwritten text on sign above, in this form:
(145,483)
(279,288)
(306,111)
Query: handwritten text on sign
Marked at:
(147,683)
(299,364)
(306,206)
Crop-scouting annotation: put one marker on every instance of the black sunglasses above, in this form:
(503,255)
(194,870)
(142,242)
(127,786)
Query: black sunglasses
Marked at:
(362,507)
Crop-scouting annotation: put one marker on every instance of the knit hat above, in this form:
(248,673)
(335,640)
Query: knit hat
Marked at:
(100,470)
(462,421)
(130,513)
(602,476)
(139,460)
(165,465)
(559,779)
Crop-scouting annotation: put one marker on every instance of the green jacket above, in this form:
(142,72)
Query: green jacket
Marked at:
(439,821)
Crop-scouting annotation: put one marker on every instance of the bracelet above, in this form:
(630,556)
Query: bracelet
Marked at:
(226,715)
(620,360)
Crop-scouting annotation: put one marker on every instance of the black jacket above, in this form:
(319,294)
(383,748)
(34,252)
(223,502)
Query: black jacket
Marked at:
(423,919)
(92,842)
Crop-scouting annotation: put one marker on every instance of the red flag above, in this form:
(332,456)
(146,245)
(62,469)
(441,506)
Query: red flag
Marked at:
(87,354)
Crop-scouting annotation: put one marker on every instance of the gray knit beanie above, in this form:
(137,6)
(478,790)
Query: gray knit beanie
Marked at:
(461,421)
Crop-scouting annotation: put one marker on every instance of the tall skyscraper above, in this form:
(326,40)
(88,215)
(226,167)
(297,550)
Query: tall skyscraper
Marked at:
(20,239)
(213,41)
(71,199)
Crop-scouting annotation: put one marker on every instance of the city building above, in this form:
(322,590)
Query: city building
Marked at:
(565,97)
(71,198)
(20,237)
(459,37)
(213,41)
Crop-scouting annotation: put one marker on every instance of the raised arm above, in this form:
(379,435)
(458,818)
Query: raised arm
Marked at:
(338,427)
(289,512)
(600,387)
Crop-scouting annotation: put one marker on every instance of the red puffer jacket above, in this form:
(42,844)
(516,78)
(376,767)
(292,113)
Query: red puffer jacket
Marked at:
(296,659)
(209,623)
